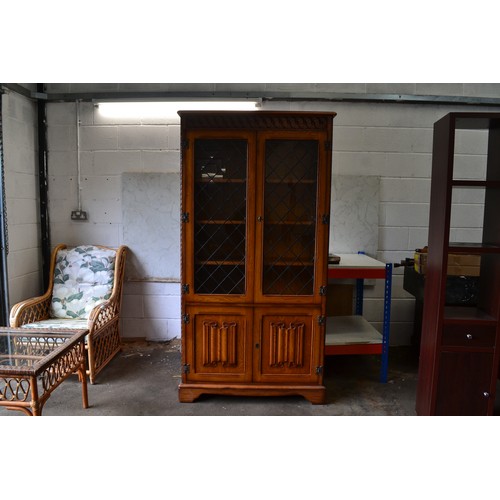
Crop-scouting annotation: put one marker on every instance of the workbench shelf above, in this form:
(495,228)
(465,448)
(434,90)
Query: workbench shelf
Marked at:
(354,334)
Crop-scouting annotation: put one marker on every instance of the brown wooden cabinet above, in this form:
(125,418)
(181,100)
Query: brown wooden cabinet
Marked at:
(255,228)
(459,353)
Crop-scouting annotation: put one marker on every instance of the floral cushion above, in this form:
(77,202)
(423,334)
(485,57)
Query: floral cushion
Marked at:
(58,324)
(83,278)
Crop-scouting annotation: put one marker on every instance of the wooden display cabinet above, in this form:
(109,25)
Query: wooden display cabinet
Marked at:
(459,353)
(255,228)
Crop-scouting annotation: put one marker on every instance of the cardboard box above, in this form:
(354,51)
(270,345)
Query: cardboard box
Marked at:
(339,300)
(458,264)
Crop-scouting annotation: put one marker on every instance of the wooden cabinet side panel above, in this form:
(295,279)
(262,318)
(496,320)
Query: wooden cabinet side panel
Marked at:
(435,282)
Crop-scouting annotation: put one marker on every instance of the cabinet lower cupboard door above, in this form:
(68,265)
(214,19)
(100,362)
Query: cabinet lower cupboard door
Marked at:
(217,345)
(464,383)
(287,346)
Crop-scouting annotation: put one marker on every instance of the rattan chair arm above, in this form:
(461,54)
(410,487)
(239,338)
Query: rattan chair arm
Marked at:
(102,314)
(30,310)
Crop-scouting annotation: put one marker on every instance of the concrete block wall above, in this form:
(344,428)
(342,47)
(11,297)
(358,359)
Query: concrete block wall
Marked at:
(19,119)
(394,142)
(108,149)
(390,140)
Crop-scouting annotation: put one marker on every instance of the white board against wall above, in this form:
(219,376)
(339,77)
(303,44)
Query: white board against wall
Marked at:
(151,225)
(354,214)
(151,221)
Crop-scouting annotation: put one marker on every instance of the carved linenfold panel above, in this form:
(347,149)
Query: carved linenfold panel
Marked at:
(219,343)
(287,344)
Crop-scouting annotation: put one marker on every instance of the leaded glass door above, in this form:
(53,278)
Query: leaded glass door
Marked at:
(287,217)
(221,235)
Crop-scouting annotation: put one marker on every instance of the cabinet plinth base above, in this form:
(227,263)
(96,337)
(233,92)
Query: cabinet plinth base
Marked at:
(316,395)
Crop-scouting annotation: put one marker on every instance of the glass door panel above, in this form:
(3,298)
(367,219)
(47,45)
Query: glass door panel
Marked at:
(220,194)
(290,197)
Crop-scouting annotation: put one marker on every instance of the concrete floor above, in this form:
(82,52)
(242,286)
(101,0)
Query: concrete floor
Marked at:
(142,380)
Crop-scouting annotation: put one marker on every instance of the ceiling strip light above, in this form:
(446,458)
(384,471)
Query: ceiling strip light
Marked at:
(159,109)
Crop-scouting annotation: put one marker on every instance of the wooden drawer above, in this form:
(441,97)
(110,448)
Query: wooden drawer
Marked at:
(468,336)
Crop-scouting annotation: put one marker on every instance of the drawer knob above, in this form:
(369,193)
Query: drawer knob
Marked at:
(486,394)
(469,336)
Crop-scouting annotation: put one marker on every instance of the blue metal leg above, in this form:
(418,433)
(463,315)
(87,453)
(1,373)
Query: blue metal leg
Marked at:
(360,284)
(387,323)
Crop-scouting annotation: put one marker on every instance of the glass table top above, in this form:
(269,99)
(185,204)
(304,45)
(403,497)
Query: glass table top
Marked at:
(26,350)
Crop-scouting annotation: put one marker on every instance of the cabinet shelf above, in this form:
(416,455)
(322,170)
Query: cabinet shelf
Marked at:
(291,181)
(220,263)
(473,248)
(220,222)
(218,180)
(290,223)
(289,263)
(467,314)
(240,222)
(475,183)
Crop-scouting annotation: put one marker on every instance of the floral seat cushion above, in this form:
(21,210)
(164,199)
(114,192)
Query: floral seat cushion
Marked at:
(58,324)
(83,278)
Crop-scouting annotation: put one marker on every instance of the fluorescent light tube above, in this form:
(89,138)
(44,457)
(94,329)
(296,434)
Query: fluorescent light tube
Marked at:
(162,109)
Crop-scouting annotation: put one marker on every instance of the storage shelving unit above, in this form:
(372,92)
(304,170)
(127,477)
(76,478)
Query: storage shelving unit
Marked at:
(459,353)
(354,334)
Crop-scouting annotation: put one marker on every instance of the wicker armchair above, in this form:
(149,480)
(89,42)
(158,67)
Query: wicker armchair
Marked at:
(84,291)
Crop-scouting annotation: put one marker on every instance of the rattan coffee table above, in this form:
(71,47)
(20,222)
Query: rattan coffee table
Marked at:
(34,362)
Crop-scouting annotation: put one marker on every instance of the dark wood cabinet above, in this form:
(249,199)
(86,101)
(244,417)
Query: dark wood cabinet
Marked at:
(464,383)
(459,352)
(255,228)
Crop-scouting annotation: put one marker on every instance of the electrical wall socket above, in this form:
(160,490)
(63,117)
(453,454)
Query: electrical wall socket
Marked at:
(78,215)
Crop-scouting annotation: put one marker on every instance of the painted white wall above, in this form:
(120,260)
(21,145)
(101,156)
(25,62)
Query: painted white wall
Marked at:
(21,188)
(387,140)
(110,152)
(394,142)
